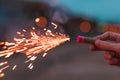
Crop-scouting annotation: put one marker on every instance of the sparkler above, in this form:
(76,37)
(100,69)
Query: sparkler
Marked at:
(90,40)
(83,39)
(32,46)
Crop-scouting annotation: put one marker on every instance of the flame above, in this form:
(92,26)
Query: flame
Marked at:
(32,46)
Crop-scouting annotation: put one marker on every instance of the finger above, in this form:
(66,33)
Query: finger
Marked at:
(112,54)
(104,45)
(94,48)
(113,61)
(118,64)
(107,56)
(109,36)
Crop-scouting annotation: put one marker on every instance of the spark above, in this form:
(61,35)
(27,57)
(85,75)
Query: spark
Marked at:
(37,20)
(45,29)
(22,35)
(4,68)
(3,63)
(9,44)
(32,46)
(2,75)
(2,43)
(33,28)
(30,66)
(14,67)
(4,47)
(33,58)
(24,30)
(8,55)
(44,54)
(55,25)
(18,32)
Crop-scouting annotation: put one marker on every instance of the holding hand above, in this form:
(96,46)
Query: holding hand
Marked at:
(112,48)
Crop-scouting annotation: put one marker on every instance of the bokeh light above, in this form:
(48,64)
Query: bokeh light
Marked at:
(85,26)
(111,27)
(37,20)
(2,75)
(41,22)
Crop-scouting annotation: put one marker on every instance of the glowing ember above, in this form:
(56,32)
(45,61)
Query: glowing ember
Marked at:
(24,30)
(32,46)
(3,63)
(55,25)
(33,58)
(18,32)
(44,54)
(14,67)
(30,66)
(4,68)
(37,20)
(2,75)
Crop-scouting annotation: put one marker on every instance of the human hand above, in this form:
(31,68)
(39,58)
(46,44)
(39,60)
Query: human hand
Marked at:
(112,49)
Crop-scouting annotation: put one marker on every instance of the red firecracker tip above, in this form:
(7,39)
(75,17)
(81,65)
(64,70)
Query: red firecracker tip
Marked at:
(79,38)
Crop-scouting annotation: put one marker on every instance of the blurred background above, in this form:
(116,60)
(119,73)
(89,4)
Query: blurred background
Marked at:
(71,60)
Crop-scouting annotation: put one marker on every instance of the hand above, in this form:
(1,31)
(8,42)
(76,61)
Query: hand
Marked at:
(112,49)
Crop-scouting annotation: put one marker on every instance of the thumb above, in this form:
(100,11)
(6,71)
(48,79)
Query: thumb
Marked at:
(104,45)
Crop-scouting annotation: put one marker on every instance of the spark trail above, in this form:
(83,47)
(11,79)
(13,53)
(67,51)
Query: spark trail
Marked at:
(31,46)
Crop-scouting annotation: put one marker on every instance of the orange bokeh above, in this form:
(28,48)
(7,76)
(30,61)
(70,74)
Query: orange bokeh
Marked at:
(85,26)
(111,27)
(41,22)
(2,75)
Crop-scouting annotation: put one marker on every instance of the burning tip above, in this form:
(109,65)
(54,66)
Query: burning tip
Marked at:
(79,38)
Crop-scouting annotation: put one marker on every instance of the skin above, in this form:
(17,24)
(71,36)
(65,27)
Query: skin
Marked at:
(111,47)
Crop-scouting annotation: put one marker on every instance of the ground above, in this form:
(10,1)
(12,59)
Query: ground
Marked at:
(69,61)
